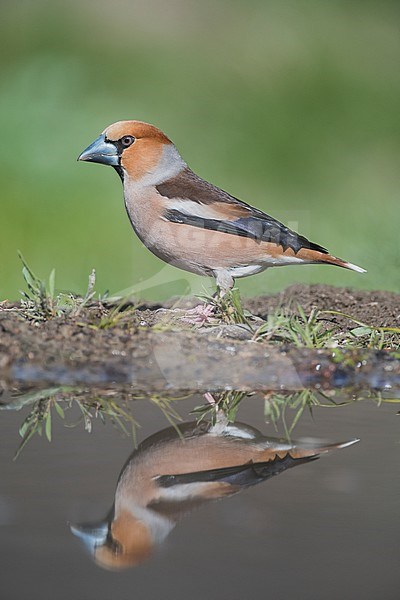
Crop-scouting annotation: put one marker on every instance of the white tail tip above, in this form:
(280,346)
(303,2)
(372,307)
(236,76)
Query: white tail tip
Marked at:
(355,268)
(349,443)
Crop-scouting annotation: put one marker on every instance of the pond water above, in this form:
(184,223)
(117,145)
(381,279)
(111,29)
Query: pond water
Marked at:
(327,529)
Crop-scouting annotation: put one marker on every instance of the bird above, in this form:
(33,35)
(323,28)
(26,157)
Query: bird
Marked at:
(179,469)
(191,223)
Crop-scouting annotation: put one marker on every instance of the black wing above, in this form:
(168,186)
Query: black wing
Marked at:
(251,222)
(242,475)
(264,229)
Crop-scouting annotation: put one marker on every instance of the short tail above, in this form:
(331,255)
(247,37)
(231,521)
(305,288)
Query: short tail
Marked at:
(284,456)
(304,449)
(315,257)
(338,262)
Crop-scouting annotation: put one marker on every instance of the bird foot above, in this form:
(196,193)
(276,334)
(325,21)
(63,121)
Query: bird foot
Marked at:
(210,398)
(221,419)
(200,315)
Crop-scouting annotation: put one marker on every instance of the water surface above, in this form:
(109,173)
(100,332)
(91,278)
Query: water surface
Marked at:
(327,529)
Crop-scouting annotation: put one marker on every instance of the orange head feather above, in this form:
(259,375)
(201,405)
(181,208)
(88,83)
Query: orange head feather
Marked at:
(131,544)
(144,145)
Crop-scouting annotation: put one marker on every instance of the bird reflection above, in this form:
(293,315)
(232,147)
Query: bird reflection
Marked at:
(169,475)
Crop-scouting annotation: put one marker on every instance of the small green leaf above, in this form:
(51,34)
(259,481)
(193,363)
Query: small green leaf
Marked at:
(27,276)
(52,280)
(22,445)
(48,426)
(360,331)
(59,410)
(24,427)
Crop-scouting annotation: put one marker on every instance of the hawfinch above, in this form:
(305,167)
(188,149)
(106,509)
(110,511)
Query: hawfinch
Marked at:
(169,475)
(190,223)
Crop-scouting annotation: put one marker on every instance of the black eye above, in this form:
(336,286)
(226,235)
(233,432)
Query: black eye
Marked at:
(127,140)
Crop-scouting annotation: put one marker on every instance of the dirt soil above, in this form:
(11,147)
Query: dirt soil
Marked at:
(377,308)
(85,333)
(374,308)
(99,337)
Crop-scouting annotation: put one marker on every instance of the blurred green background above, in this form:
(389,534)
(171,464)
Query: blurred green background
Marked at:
(292,106)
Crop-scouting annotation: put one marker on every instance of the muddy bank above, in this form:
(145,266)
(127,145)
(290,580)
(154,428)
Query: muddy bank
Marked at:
(376,308)
(150,346)
(178,363)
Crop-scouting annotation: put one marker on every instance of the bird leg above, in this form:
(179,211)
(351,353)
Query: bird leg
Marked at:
(210,398)
(221,420)
(225,282)
(219,308)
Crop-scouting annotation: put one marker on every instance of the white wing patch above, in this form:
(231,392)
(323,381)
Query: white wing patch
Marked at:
(194,209)
(184,491)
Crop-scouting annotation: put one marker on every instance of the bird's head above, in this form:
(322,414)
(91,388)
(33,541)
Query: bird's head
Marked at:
(136,150)
(125,542)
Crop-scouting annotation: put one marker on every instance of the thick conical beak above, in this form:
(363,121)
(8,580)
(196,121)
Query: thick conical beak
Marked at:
(91,535)
(102,152)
